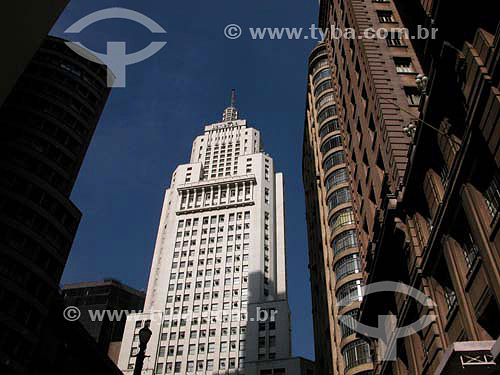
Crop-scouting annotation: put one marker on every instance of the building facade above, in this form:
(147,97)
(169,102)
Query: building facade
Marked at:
(396,129)
(46,124)
(217,295)
(106,295)
(24,26)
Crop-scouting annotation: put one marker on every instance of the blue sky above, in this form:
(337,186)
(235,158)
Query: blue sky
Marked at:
(147,128)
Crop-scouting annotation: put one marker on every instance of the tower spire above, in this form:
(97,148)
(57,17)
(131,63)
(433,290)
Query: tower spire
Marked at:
(231,113)
(233,97)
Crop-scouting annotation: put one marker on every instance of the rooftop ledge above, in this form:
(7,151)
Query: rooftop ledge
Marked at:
(470,357)
(218,181)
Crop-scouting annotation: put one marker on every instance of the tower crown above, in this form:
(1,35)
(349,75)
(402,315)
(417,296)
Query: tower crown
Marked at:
(231,113)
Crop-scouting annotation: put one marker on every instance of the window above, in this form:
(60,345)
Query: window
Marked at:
(335,178)
(222,364)
(262,342)
(492,194)
(343,241)
(334,159)
(328,127)
(161,351)
(321,75)
(178,366)
(394,39)
(159,368)
(330,143)
(338,197)
(404,65)
(356,353)
(327,112)
(348,321)
(341,218)
(412,95)
(322,87)
(347,266)
(223,346)
(325,99)
(470,250)
(385,16)
(349,293)
(210,364)
(272,341)
(450,297)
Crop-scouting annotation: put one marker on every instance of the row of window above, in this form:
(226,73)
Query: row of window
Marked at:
(214,219)
(201,365)
(211,250)
(201,348)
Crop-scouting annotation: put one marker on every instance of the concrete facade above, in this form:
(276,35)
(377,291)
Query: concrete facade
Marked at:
(425,202)
(219,263)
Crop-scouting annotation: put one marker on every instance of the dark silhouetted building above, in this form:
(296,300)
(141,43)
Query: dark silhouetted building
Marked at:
(24,26)
(400,167)
(46,124)
(104,296)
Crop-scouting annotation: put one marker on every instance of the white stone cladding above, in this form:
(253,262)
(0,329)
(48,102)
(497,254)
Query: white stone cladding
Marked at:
(219,258)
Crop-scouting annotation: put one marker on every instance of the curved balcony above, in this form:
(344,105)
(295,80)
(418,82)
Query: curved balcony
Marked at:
(332,142)
(320,75)
(341,219)
(338,197)
(333,159)
(346,329)
(328,98)
(349,293)
(348,265)
(344,241)
(319,50)
(329,127)
(323,86)
(319,64)
(336,178)
(356,353)
(327,113)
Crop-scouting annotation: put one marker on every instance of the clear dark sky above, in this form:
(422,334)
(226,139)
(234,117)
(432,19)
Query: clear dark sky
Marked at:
(148,127)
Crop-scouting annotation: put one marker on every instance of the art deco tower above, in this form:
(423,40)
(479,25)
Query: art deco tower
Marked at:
(219,259)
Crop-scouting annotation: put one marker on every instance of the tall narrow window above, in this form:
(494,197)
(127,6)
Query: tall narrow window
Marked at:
(412,95)
(492,194)
(394,39)
(404,65)
(385,16)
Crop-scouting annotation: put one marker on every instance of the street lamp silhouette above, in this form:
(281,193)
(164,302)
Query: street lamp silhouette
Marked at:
(144,336)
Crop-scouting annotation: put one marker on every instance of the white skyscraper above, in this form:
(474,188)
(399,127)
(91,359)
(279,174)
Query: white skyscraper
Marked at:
(219,265)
